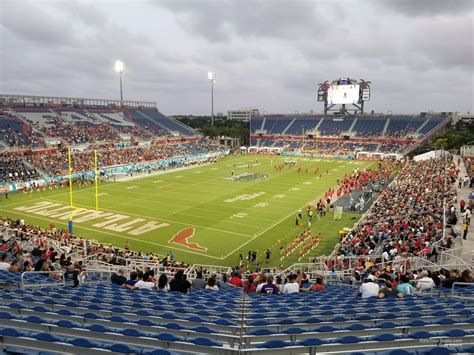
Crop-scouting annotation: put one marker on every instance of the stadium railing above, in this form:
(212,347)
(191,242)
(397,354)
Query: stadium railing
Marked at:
(46,281)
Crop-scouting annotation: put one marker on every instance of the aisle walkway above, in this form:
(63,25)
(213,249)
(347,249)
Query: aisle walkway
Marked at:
(463,194)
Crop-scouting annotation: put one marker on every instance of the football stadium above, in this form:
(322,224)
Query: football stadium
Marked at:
(133,226)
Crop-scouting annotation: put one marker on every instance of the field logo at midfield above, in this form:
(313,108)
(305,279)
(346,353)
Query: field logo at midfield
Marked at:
(182,238)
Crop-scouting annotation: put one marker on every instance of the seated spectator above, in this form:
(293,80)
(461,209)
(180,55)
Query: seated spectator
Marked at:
(269,287)
(198,282)
(235,280)
(425,282)
(291,286)
(405,288)
(318,286)
(179,283)
(249,286)
(4,265)
(144,283)
(211,284)
(130,284)
(163,285)
(223,282)
(388,290)
(14,266)
(369,288)
(118,278)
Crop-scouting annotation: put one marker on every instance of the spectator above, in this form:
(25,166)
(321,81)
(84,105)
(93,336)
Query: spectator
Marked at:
(388,290)
(198,282)
(249,286)
(405,288)
(179,283)
(425,282)
(163,285)
(269,287)
(144,283)
(291,286)
(130,284)
(118,278)
(211,284)
(4,265)
(369,288)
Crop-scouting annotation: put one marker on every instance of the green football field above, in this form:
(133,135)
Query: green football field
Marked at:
(204,214)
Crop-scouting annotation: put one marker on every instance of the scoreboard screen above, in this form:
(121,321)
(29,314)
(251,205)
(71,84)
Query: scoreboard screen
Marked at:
(343,94)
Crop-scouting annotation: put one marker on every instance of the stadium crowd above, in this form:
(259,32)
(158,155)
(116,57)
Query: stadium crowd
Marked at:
(55,162)
(13,169)
(407,218)
(29,247)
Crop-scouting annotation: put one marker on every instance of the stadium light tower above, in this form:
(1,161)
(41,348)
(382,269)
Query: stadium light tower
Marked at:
(119,66)
(212,78)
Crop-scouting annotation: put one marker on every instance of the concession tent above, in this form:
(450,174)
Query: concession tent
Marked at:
(430,155)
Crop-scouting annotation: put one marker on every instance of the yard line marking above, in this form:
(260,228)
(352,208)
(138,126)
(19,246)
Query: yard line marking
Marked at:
(123,237)
(132,187)
(264,231)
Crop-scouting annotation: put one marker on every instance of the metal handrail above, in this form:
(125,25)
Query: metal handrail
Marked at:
(460,283)
(22,279)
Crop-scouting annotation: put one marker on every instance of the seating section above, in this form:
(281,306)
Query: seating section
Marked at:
(301,125)
(13,169)
(168,123)
(16,134)
(369,133)
(106,317)
(31,126)
(335,126)
(369,127)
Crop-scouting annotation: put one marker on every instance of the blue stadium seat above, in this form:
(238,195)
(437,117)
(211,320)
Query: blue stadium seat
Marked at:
(6,315)
(12,332)
(294,330)
(349,339)
(123,349)
(356,326)
(420,335)
(384,337)
(263,331)
(274,344)
(205,342)
(131,332)
(43,336)
(312,342)
(438,350)
(67,324)
(167,337)
(84,343)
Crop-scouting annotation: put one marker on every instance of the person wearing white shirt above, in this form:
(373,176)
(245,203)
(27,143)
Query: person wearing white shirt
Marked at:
(369,288)
(144,283)
(425,282)
(291,286)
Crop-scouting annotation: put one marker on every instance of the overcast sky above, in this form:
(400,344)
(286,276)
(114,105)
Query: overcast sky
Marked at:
(268,54)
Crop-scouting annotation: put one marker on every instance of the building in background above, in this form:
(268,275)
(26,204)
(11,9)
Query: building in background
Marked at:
(242,115)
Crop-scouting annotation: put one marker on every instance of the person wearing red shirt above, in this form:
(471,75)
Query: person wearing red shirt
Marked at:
(235,280)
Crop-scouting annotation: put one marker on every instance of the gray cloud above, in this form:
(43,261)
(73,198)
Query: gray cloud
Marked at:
(428,8)
(267,54)
(224,19)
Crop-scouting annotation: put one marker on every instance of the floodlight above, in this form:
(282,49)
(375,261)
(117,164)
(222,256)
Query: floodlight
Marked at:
(211,76)
(119,66)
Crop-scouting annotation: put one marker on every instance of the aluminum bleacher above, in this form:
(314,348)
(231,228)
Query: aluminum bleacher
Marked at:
(104,317)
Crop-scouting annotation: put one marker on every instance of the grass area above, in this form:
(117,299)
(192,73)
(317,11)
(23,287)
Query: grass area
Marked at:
(201,214)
